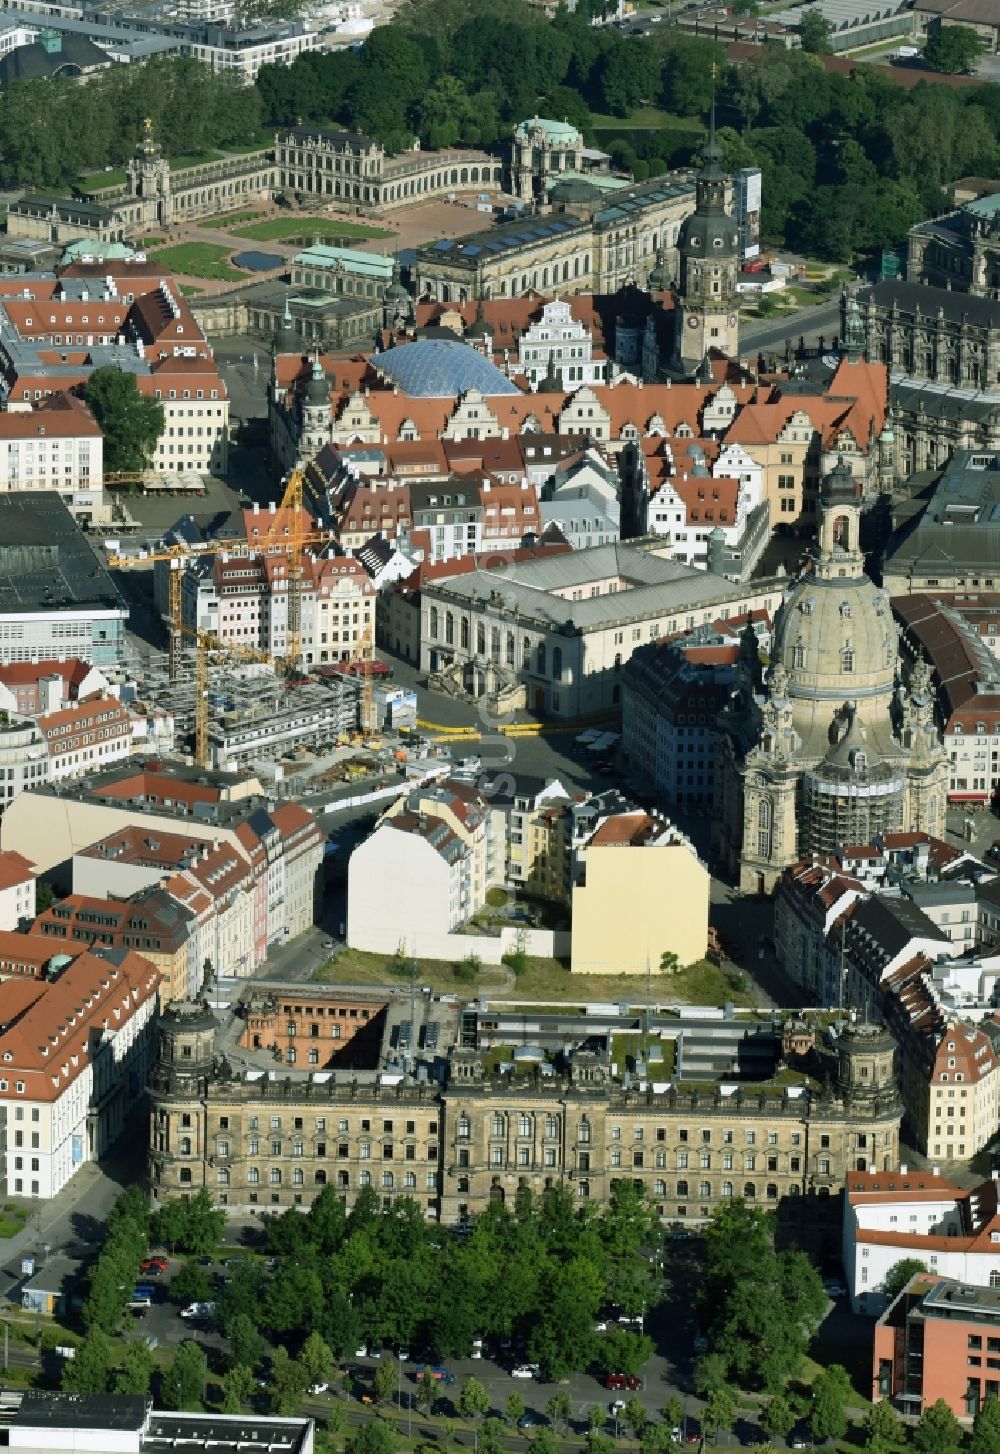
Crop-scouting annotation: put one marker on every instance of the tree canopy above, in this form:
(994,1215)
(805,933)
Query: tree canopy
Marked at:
(132,423)
(758,1307)
(538,1273)
(952,48)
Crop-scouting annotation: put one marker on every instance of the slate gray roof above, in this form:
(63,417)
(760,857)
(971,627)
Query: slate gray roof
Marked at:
(659,586)
(914,297)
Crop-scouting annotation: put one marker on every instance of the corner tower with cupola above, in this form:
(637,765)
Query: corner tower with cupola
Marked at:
(706,301)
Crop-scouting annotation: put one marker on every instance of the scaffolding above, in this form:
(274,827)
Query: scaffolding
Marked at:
(237,710)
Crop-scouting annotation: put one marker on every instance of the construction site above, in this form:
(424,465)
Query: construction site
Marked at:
(233,704)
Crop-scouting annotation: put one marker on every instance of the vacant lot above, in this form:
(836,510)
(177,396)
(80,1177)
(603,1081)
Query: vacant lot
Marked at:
(199,260)
(273,229)
(546,980)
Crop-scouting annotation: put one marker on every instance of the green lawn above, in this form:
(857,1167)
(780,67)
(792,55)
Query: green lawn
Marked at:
(198,260)
(273,229)
(197,160)
(264,140)
(227,219)
(97,180)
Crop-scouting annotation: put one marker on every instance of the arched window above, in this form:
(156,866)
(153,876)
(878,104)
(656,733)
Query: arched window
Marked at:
(494,643)
(434,622)
(464,633)
(682,1188)
(511,649)
(763,814)
(557,662)
(772,1192)
(727,1188)
(449,628)
(480,638)
(749,1191)
(540,659)
(799,654)
(847,659)
(704,1189)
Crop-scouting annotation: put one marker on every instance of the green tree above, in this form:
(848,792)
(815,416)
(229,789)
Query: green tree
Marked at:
(245,1343)
(191,1284)
(473,1400)
(815,32)
(953,49)
(237,1388)
(883,1430)
(777,1418)
(385,1382)
(636,1417)
(559,1410)
(90,1370)
(130,421)
(543,1441)
(183,1384)
(136,1370)
(286,1383)
(373,1437)
(514,1407)
(986,1428)
(937,1431)
(44,896)
(316,1360)
(899,1275)
(830,1393)
(426,1392)
(598,1443)
(596,1416)
(719,1413)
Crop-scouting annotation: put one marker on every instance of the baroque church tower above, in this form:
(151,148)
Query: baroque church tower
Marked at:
(834,750)
(706,301)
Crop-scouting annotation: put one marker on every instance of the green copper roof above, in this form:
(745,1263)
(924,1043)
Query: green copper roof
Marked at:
(985,206)
(555,131)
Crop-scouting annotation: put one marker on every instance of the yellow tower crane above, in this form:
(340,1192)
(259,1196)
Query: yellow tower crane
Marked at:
(293,531)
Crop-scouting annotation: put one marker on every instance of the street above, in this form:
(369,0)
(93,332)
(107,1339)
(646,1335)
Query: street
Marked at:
(769,334)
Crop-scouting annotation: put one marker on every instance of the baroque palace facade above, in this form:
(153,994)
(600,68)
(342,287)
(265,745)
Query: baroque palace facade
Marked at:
(262,1139)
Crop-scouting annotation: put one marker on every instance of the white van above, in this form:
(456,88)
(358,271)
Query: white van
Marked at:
(139,1303)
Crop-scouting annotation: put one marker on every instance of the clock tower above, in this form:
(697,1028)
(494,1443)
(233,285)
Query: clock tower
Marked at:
(706,301)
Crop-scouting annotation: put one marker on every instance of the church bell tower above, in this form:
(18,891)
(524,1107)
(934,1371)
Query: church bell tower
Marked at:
(706,301)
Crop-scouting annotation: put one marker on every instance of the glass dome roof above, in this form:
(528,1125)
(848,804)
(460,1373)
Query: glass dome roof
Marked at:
(434,368)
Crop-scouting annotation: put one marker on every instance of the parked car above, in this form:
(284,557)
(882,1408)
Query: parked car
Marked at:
(361,1352)
(798,1439)
(198,1310)
(600,1326)
(616,1407)
(994,850)
(153,1265)
(530,1420)
(434,1371)
(315,1388)
(403,1355)
(525,1370)
(834,1288)
(622,1380)
(477,1347)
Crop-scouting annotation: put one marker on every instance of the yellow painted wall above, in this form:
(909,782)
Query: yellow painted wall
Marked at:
(637,903)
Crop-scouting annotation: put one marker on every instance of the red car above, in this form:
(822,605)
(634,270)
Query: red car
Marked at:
(153,1264)
(623,1380)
